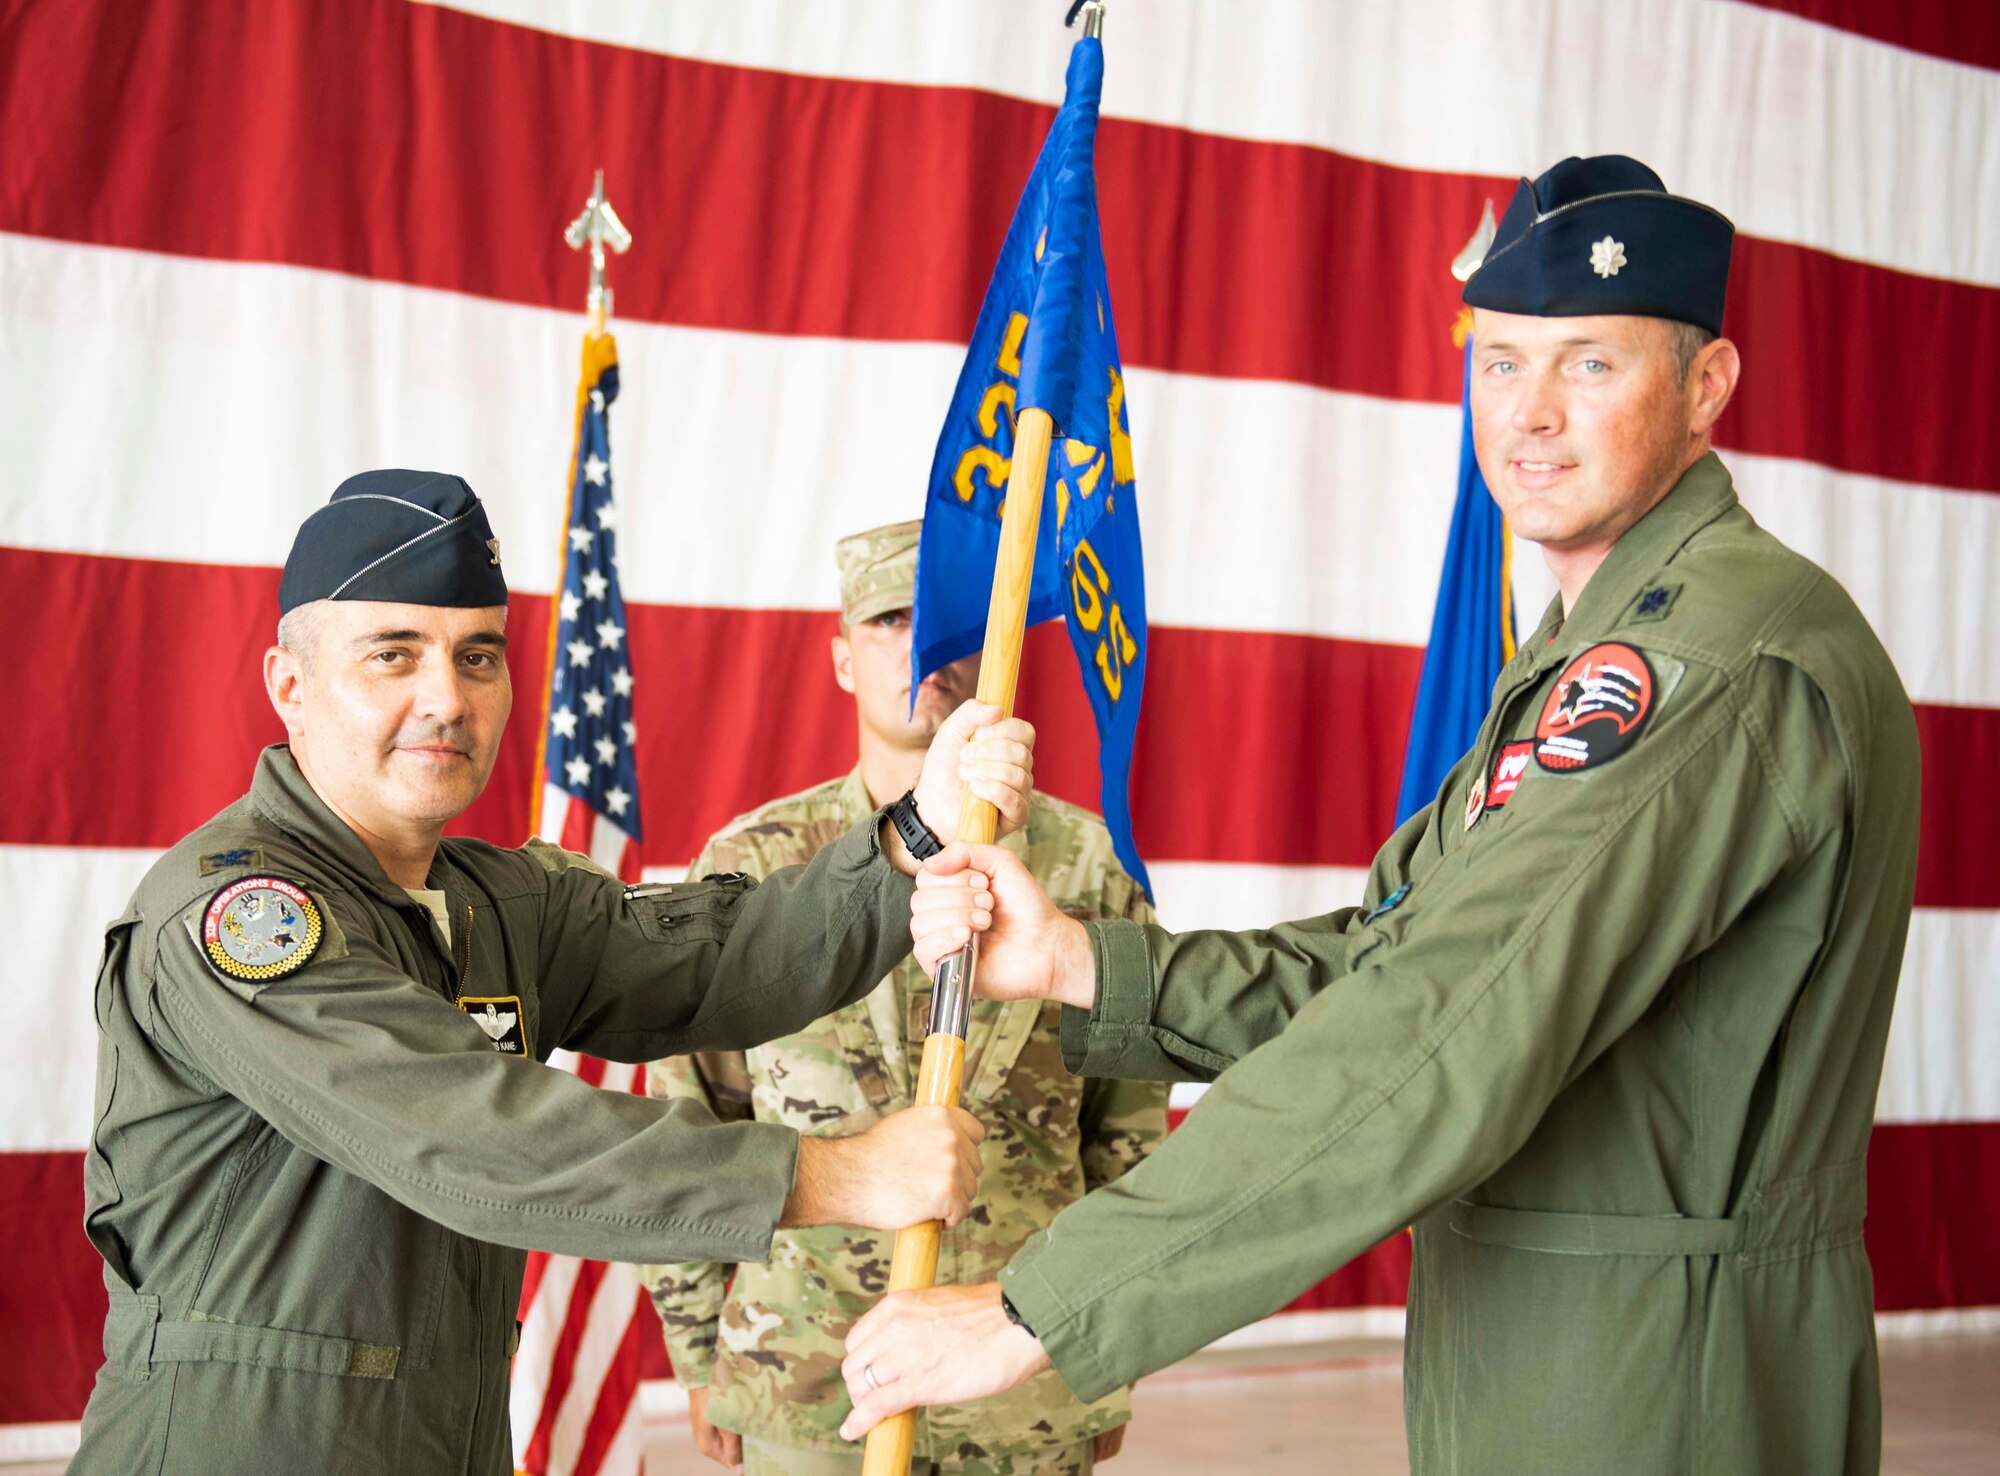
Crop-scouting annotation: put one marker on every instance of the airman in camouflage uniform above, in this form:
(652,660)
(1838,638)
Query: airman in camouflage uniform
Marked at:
(768,1349)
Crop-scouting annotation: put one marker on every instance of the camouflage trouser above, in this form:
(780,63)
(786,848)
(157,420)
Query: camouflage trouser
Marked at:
(762,1458)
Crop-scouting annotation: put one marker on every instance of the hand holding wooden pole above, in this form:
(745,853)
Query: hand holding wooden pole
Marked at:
(915,1262)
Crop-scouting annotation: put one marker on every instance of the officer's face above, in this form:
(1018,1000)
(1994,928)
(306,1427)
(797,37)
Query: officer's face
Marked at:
(871,659)
(395,715)
(1581,425)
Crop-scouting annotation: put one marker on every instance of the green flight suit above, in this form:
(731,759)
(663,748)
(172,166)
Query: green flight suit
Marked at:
(1614,1052)
(768,1343)
(313,1193)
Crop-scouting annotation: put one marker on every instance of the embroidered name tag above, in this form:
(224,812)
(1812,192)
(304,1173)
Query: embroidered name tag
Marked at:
(500,1017)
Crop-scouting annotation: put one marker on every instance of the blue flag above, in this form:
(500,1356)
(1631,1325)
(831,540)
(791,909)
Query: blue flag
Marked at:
(1045,341)
(1472,629)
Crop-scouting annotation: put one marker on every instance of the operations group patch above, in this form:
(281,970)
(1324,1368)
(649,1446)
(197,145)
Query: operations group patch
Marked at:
(1598,709)
(261,928)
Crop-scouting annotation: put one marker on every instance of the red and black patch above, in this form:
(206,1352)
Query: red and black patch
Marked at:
(1598,709)
(1507,771)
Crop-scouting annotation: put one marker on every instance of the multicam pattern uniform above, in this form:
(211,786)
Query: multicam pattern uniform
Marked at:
(770,1350)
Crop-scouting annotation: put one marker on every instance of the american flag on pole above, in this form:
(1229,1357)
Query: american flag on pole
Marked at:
(589,781)
(575,1396)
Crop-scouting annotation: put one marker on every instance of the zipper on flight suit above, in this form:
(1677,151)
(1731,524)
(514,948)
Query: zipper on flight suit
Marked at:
(465,968)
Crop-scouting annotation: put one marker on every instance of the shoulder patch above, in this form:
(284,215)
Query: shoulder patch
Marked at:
(1598,709)
(1508,769)
(261,928)
(216,861)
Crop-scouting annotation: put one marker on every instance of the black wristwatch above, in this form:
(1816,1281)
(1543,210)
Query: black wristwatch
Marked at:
(919,837)
(1014,1316)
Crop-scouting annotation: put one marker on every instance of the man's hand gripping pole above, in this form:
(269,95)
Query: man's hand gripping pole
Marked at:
(915,1263)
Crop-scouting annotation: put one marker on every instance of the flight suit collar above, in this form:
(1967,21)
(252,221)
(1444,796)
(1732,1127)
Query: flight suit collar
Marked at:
(280,793)
(1703,494)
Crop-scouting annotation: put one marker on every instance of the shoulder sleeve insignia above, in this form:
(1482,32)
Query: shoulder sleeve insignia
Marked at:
(261,928)
(1598,709)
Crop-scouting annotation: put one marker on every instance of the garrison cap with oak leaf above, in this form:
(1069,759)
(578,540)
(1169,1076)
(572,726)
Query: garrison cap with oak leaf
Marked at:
(402,537)
(1602,235)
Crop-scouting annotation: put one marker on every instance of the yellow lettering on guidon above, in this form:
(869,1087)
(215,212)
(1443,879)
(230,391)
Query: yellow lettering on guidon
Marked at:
(998,397)
(1121,441)
(1009,362)
(1090,591)
(986,461)
(975,460)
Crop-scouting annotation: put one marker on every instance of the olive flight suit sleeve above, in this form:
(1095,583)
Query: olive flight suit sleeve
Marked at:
(637,973)
(1376,1066)
(1270,974)
(1121,1121)
(688,1295)
(381,1076)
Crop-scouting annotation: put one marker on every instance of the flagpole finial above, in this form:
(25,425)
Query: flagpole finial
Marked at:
(1093,17)
(597,227)
(1474,252)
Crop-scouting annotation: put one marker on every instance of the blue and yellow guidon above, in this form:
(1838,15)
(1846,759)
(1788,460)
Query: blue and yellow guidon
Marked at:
(261,928)
(1046,340)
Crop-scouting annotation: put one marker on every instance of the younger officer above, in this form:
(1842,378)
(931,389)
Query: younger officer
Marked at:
(1609,1025)
(764,1360)
(323,1137)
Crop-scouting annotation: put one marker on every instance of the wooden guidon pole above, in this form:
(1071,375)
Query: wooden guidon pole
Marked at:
(915,1262)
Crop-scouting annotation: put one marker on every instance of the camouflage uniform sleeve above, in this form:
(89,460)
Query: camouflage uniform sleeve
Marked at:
(688,1295)
(1123,1121)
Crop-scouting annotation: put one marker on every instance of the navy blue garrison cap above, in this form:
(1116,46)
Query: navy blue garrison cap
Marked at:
(1603,235)
(403,537)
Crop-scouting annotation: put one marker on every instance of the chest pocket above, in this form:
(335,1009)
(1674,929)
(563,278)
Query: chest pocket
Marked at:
(681,912)
(1024,1077)
(825,1078)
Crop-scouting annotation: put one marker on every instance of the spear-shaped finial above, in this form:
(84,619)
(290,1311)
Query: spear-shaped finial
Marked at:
(1467,261)
(597,227)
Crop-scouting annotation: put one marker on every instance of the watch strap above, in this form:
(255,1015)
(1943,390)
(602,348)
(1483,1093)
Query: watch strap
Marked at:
(919,837)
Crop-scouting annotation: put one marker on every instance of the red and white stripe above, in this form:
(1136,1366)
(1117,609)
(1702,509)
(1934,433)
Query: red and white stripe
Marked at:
(314,237)
(575,1395)
(572,824)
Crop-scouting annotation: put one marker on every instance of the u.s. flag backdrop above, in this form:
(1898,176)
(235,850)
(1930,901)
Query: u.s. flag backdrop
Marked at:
(248,249)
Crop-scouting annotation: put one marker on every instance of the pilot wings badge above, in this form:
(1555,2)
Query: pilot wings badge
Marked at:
(500,1017)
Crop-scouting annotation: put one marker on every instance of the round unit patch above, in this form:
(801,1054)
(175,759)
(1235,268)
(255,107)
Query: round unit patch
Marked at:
(1600,704)
(260,928)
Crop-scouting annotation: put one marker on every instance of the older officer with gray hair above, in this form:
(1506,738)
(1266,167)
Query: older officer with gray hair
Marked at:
(324,1136)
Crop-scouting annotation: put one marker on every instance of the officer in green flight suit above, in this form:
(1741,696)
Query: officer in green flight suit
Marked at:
(324,1137)
(1608,1025)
